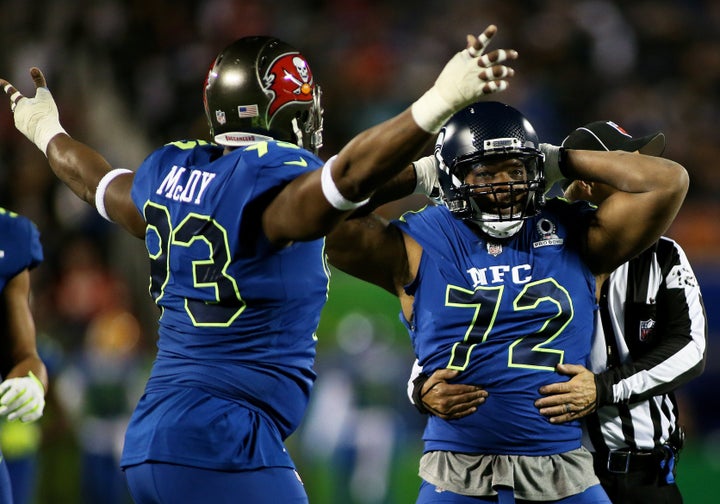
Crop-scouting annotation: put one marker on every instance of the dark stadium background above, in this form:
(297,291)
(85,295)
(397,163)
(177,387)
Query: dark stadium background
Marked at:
(127,77)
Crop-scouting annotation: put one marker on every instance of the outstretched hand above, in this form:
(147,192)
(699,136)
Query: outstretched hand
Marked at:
(569,400)
(495,74)
(468,75)
(37,118)
(450,400)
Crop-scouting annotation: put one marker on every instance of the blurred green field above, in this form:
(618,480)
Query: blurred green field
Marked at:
(326,478)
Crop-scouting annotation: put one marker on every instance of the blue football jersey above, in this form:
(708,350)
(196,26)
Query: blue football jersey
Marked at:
(20,246)
(238,316)
(504,313)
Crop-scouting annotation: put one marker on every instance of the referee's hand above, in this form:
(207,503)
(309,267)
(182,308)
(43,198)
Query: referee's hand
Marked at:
(569,400)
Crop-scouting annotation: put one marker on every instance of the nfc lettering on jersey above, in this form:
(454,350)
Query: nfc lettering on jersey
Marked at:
(519,274)
(185,187)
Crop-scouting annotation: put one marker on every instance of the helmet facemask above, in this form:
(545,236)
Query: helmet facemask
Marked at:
(308,126)
(469,145)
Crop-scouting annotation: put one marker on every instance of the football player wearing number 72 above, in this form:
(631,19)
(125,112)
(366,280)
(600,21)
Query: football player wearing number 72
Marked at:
(500,286)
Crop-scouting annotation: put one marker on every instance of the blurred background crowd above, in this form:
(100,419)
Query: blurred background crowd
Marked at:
(127,76)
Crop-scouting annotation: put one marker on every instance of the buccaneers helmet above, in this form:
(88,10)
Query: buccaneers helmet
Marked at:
(486,133)
(261,88)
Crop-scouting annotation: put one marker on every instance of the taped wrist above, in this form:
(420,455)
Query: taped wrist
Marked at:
(46,131)
(418,383)
(431,111)
(37,118)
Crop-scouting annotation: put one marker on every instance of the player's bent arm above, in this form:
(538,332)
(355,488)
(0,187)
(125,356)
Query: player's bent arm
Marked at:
(651,192)
(371,250)
(83,169)
(21,342)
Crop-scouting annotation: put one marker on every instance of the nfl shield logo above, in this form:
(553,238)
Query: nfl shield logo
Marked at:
(220,116)
(646,328)
(494,249)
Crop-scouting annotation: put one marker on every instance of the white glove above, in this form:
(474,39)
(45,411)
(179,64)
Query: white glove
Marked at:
(467,76)
(22,398)
(427,176)
(37,118)
(551,165)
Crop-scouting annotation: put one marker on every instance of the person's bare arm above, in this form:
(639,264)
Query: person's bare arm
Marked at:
(22,391)
(651,192)
(80,167)
(21,330)
(302,211)
(370,249)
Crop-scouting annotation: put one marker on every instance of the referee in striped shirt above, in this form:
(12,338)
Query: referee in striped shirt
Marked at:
(650,338)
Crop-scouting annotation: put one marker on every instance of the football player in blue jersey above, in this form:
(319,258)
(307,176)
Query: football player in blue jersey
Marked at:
(25,379)
(500,286)
(234,231)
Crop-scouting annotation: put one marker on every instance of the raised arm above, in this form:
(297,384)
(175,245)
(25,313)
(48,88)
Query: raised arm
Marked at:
(311,205)
(651,191)
(80,167)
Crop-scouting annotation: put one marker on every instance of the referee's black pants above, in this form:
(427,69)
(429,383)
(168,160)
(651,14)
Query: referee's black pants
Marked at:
(641,484)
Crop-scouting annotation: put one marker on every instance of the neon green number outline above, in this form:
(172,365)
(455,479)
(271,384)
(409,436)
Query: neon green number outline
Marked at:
(524,352)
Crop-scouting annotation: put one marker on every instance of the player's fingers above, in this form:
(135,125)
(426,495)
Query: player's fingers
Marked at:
(13,93)
(38,77)
(486,36)
(497,72)
(460,412)
(495,86)
(497,56)
(445,374)
(476,46)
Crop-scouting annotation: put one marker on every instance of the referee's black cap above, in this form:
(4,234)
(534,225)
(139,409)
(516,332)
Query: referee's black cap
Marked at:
(607,136)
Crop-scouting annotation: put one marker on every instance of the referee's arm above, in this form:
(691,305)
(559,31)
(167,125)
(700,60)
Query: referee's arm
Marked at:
(681,351)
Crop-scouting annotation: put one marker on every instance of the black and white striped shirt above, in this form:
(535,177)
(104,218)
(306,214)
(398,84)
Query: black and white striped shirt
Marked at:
(650,338)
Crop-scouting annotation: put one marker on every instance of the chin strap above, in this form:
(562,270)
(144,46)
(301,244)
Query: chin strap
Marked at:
(500,229)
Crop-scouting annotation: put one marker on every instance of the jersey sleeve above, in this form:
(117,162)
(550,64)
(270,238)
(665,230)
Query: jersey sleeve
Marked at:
(20,247)
(35,251)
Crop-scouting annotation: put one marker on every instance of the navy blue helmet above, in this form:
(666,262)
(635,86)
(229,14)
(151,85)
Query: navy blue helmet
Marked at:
(485,133)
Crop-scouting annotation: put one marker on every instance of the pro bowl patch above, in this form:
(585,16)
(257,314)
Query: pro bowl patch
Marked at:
(546,230)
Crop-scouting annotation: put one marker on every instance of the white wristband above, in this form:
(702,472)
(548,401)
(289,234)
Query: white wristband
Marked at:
(426,176)
(102,187)
(330,190)
(551,165)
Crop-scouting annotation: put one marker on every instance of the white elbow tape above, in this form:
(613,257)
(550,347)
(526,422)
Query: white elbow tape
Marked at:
(102,187)
(330,190)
